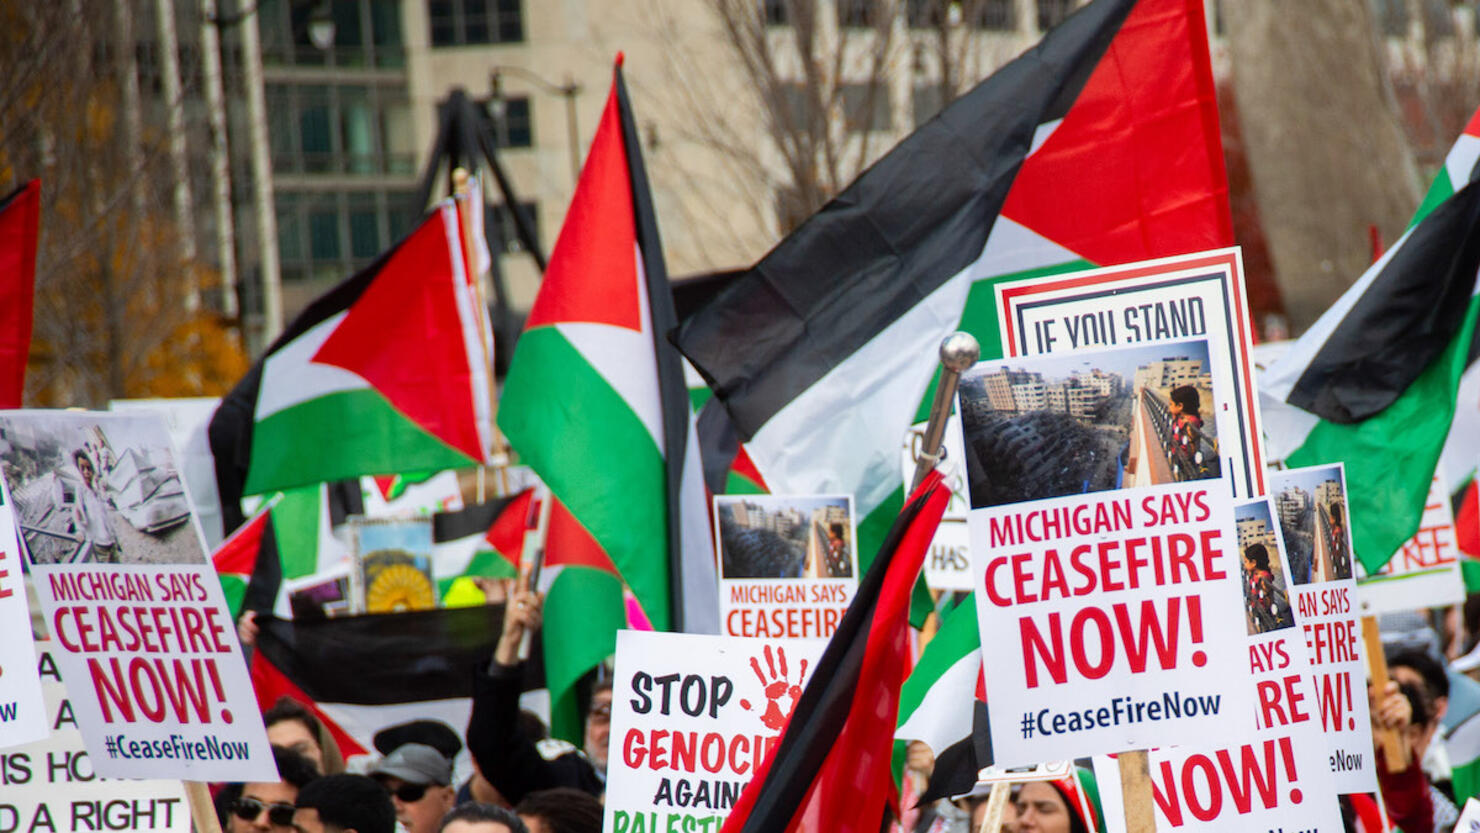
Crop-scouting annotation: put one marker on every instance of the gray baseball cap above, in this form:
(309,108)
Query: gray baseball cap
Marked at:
(416,763)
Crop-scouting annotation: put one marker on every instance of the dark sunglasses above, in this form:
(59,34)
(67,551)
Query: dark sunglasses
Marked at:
(248,809)
(410,793)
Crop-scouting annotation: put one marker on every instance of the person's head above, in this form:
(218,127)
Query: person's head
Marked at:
(1185,400)
(419,779)
(1050,807)
(293,727)
(599,725)
(561,810)
(1420,669)
(84,465)
(341,803)
(266,805)
(977,806)
(835,531)
(433,733)
(475,817)
(1256,557)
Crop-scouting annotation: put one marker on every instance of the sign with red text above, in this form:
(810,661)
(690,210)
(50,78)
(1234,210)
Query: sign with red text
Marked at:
(692,718)
(1194,296)
(136,613)
(51,785)
(1311,507)
(1278,776)
(788,564)
(1424,572)
(22,712)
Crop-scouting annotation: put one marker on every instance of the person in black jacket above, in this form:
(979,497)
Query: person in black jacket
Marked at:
(515,764)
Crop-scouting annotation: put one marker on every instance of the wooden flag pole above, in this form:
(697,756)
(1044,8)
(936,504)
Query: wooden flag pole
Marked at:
(202,810)
(996,806)
(462,191)
(530,563)
(1135,789)
(1394,751)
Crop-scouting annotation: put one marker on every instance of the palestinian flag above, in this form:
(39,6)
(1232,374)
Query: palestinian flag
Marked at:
(385,373)
(248,565)
(359,674)
(20,229)
(485,539)
(933,705)
(1373,383)
(831,768)
(595,404)
(1098,146)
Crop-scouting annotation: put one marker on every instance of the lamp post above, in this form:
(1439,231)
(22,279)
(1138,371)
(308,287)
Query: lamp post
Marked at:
(498,107)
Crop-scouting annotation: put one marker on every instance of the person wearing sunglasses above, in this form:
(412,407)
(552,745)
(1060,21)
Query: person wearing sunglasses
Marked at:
(266,806)
(419,779)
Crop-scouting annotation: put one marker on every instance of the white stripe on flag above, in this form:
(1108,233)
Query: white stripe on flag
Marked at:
(945,715)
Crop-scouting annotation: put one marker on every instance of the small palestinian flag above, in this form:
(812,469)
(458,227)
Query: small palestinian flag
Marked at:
(247,564)
(1098,146)
(831,769)
(933,705)
(385,373)
(485,539)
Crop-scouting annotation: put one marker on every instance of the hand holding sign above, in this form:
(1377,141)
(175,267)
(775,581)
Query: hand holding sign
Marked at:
(522,614)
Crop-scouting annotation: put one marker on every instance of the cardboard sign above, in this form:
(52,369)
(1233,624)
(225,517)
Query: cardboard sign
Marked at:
(1155,301)
(1424,572)
(134,608)
(22,714)
(948,563)
(1311,507)
(788,564)
(1278,778)
(692,718)
(51,784)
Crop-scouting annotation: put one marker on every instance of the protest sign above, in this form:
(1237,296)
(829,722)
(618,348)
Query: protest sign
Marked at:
(692,718)
(1425,571)
(788,564)
(1171,299)
(948,563)
(1278,778)
(1312,510)
(50,784)
(22,716)
(1101,613)
(186,419)
(136,612)
(1469,820)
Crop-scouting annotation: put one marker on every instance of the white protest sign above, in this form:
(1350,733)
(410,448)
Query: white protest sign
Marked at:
(51,785)
(136,612)
(1425,571)
(1278,778)
(788,564)
(1469,820)
(1171,299)
(692,718)
(1312,510)
(948,562)
(22,714)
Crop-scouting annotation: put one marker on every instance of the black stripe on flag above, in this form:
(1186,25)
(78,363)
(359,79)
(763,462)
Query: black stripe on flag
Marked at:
(379,659)
(909,223)
(956,768)
(1405,319)
(471,520)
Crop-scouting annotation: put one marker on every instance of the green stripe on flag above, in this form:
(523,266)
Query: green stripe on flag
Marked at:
(581,601)
(340,436)
(1440,190)
(295,527)
(234,588)
(1389,456)
(563,442)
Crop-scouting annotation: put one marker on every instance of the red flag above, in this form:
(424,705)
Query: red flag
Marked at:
(20,222)
(831,768)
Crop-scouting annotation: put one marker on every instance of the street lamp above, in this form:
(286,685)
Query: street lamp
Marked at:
(321,26)
(498,108)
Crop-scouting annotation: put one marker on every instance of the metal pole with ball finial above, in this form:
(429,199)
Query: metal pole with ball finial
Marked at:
(958,351)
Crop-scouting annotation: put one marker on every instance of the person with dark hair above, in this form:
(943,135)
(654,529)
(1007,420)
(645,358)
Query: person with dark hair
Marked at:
(561,810)
(1186,409)
(1058,806)
(476,817)
(265,805)
(291,725)
(344,803)
(512,762)
(1268,606)
(90,512)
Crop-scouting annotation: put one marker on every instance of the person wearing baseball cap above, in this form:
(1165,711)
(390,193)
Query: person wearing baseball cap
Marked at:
(419,779)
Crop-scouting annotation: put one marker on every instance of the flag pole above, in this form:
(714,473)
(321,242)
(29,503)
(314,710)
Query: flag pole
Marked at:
(462,191)
(958,351)
(1394,750)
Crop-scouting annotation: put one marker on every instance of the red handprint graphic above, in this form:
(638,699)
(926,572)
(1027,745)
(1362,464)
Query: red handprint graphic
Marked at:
(776,687)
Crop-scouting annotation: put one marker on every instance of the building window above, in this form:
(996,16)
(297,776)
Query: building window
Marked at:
(993,15)
(513,126)
(866,107)
(791,108)
(336,233)
(503,233)
(1052,12)
(367,33)
(469,22)
(859,13)
(339,129)
(1392,16)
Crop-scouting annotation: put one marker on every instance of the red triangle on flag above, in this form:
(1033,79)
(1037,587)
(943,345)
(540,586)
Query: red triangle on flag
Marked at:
(405,337)
(1171,191)
(506,534)
(569,543)
(592,276)
(237,555)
